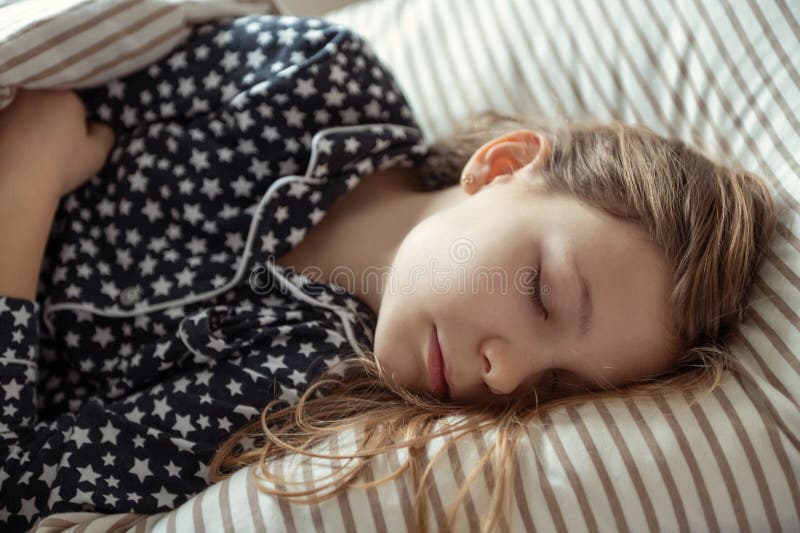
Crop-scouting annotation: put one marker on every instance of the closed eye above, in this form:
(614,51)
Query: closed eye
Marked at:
(535,296)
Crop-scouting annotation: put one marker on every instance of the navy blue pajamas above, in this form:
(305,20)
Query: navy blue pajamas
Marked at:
(162,323)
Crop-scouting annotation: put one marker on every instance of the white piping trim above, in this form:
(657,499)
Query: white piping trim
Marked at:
(18,360)
(338,309)
(201,357)
(280,182)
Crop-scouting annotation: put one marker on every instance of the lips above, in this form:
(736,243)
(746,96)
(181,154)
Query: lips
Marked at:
(436,367)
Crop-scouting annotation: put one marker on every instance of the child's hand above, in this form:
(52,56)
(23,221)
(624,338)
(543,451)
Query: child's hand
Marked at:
(46,143)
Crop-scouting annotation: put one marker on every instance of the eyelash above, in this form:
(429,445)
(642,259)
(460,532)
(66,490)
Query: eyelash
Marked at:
(535,298)
(554,375)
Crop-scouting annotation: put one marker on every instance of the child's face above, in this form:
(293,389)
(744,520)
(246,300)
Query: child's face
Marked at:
(469,269)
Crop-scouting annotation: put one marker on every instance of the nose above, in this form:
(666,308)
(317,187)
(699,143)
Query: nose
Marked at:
(502,373)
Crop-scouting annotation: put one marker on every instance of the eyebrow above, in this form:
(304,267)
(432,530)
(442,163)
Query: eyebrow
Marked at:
(585,303)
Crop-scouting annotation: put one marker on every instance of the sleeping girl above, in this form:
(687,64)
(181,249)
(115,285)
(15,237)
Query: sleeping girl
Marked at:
(256,224)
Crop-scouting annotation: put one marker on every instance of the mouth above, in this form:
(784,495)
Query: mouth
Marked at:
(437,367)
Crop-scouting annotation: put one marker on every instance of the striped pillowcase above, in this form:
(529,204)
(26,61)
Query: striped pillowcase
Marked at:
(722,75)
(81,43)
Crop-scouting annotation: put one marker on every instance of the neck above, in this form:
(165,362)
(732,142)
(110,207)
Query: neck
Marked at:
(355,243)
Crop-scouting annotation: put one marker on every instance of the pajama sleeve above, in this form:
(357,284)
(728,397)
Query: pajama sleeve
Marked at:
(19,348)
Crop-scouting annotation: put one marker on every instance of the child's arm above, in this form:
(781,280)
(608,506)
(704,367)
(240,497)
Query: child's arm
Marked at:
(46,151)
(25,219)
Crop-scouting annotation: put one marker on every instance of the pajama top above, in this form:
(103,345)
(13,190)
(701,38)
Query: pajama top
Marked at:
(162,322)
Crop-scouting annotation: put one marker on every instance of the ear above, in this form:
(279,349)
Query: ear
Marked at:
(502,157)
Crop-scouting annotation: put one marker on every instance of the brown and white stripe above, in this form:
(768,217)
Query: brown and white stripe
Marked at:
(82,43)
(724,75)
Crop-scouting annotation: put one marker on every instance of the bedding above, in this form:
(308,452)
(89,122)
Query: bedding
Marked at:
(82,43)
(721,75)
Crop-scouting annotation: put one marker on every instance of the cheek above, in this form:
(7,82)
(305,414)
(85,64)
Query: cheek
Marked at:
(398,341)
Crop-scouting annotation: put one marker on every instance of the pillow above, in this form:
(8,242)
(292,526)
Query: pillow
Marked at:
(724,77)
(82,43)
(720,77)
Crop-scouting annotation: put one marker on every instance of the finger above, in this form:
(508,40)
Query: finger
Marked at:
(101,139)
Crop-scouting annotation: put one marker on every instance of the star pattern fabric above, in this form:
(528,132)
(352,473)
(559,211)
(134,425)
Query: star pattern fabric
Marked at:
(162,322)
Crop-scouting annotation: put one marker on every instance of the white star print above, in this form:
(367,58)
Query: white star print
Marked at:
(223,38)
(268,242)
(281,213)
(230,61)
(180,385)
(211,188)
(48,474)
(116,89)
(192,213)
(147,266)
(197,246)
(141,468)
(350,116)
(235,387)
(138,182)
(135,415)
(186,87)
(161,408)
(229,90)
(177,61)
(244,120)
(203,377)
(28,509)
(274,363)
(103,336)
(199,160)
(161,349)
(334,97)
(259,168)
(217,344)
(305,88)
(297,189)
(294,117)
(256,58)
(173,470)
(109,433)
(296,235)
(183,425)
(287,36)
(297,377)
(12,389)
(270,133)
(21,316)
(211,81)
(161,286)
(313,36)
(351,145)
(81,437)
(335,338)
(152,210)
(185,277)
(306,348)
(242,187)
(88,474)
(186,186)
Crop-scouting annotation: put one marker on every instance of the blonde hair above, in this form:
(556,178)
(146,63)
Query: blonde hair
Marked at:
(713,223)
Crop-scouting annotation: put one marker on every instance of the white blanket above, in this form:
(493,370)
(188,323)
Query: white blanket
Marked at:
(46,44)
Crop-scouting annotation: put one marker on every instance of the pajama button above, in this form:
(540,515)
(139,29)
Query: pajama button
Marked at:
(129,296)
